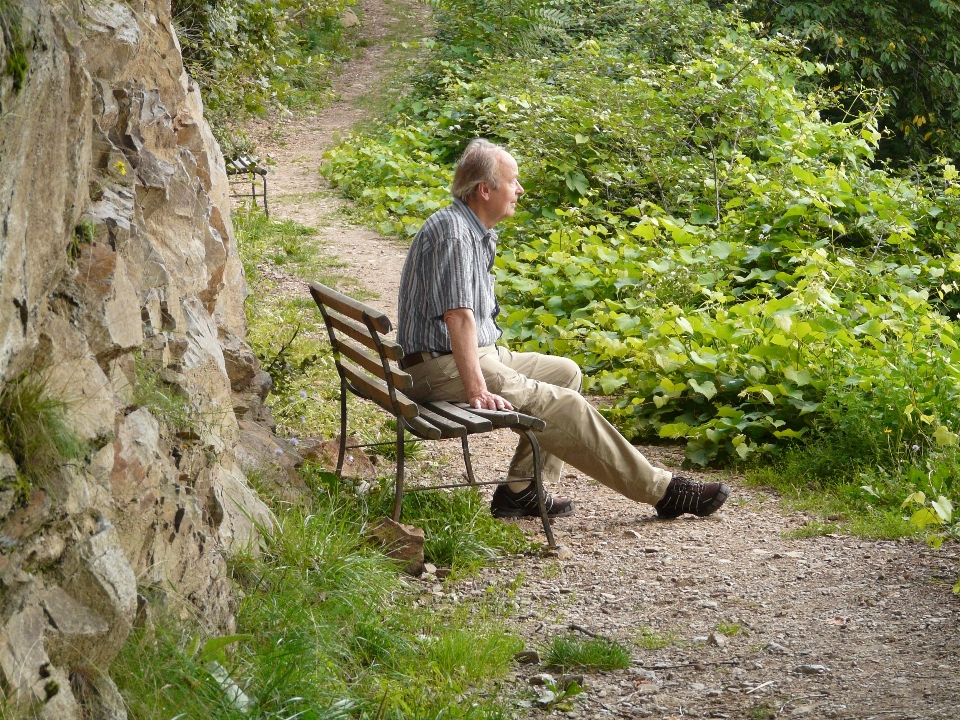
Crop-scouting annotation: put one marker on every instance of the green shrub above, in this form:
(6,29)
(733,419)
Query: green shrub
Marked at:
(252,55)
(497,26)
(909,50)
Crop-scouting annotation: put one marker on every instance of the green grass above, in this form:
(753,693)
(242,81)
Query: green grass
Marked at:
(35,431)
(569,652)
(460,532)
(164,401)
(326,628)
(728,629)
(650,639)
(810,479)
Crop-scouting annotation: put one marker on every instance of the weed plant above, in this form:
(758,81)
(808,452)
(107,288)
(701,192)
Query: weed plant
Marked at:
(569,652)
(34,429)
(164,402)
(650,639)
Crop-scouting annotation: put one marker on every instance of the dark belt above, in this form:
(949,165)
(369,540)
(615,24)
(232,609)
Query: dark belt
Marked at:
(408,361)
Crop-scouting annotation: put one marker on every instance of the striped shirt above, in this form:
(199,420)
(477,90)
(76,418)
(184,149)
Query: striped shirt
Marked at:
(448,267)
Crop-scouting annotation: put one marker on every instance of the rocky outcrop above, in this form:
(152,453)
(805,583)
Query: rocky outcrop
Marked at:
(120,283)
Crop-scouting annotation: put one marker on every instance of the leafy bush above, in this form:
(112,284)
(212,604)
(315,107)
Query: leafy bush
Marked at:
(910,50)
(497,26)
(251,55)
(712,251)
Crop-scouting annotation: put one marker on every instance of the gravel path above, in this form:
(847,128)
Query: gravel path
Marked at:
(724,617)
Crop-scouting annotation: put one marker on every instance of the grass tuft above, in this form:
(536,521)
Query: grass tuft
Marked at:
(569,651)
(650,639)
(34,429)
(162,399)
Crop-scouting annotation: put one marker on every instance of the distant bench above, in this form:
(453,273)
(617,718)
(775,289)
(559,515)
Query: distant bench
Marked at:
(245,165)
(354,330)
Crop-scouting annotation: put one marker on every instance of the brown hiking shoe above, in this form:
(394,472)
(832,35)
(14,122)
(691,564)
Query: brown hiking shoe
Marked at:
(508,504)
(686,495)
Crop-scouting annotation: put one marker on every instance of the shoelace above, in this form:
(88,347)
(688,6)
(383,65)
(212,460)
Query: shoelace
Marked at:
(530,496)
(687,494)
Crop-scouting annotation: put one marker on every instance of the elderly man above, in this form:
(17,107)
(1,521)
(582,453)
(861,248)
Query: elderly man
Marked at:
(448,326)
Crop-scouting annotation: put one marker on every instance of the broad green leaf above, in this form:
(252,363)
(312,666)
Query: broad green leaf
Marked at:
(917,498)
(804,176)
(707,388)
(924,517)
(943,508)
(798,377)
(944,438)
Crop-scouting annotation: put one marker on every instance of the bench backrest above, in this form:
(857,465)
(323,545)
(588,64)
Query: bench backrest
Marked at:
(355,329)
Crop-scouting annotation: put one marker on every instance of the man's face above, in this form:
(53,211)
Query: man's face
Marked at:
(503,201)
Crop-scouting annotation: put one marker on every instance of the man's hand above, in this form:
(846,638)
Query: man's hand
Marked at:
(488,401)
(463,339)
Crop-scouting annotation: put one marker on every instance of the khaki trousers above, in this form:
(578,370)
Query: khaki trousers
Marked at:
(549,388)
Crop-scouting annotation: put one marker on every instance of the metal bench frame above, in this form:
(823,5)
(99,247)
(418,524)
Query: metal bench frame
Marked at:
(354,329)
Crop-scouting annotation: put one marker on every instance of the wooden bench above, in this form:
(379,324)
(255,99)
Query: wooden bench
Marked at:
(245,165)
(355,330)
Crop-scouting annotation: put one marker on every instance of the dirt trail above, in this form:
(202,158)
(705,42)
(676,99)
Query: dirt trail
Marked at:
(826,627)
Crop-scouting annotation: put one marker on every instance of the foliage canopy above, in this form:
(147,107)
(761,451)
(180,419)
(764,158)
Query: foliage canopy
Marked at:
(910,50)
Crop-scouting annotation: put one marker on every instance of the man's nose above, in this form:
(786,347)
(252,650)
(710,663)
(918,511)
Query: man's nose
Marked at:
(519,189)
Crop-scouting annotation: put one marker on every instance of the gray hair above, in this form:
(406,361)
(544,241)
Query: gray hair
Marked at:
(479,163)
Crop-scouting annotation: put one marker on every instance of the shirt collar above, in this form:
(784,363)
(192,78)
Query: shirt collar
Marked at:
(472,218)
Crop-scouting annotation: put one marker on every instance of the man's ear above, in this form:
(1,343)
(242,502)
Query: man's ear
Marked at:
(483,190)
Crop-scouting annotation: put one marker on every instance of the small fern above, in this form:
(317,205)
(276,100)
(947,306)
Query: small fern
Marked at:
(502,26)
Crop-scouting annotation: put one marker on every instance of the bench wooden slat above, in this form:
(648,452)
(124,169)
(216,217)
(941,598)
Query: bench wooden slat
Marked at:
(422,428)
(360,333)
(450,428)
(376,390)
(401,380)
(353,309)
(473,423)
(507,418)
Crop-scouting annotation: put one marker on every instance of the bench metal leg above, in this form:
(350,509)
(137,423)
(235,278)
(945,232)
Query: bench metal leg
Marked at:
(538,480)
(266,208)
(398,497)
(467,461)
(343,426)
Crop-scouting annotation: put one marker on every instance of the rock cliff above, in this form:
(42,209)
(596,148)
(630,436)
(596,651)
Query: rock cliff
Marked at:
(120,287)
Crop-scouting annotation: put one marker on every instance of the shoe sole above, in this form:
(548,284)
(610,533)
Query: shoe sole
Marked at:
(718,500)
(514,514)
